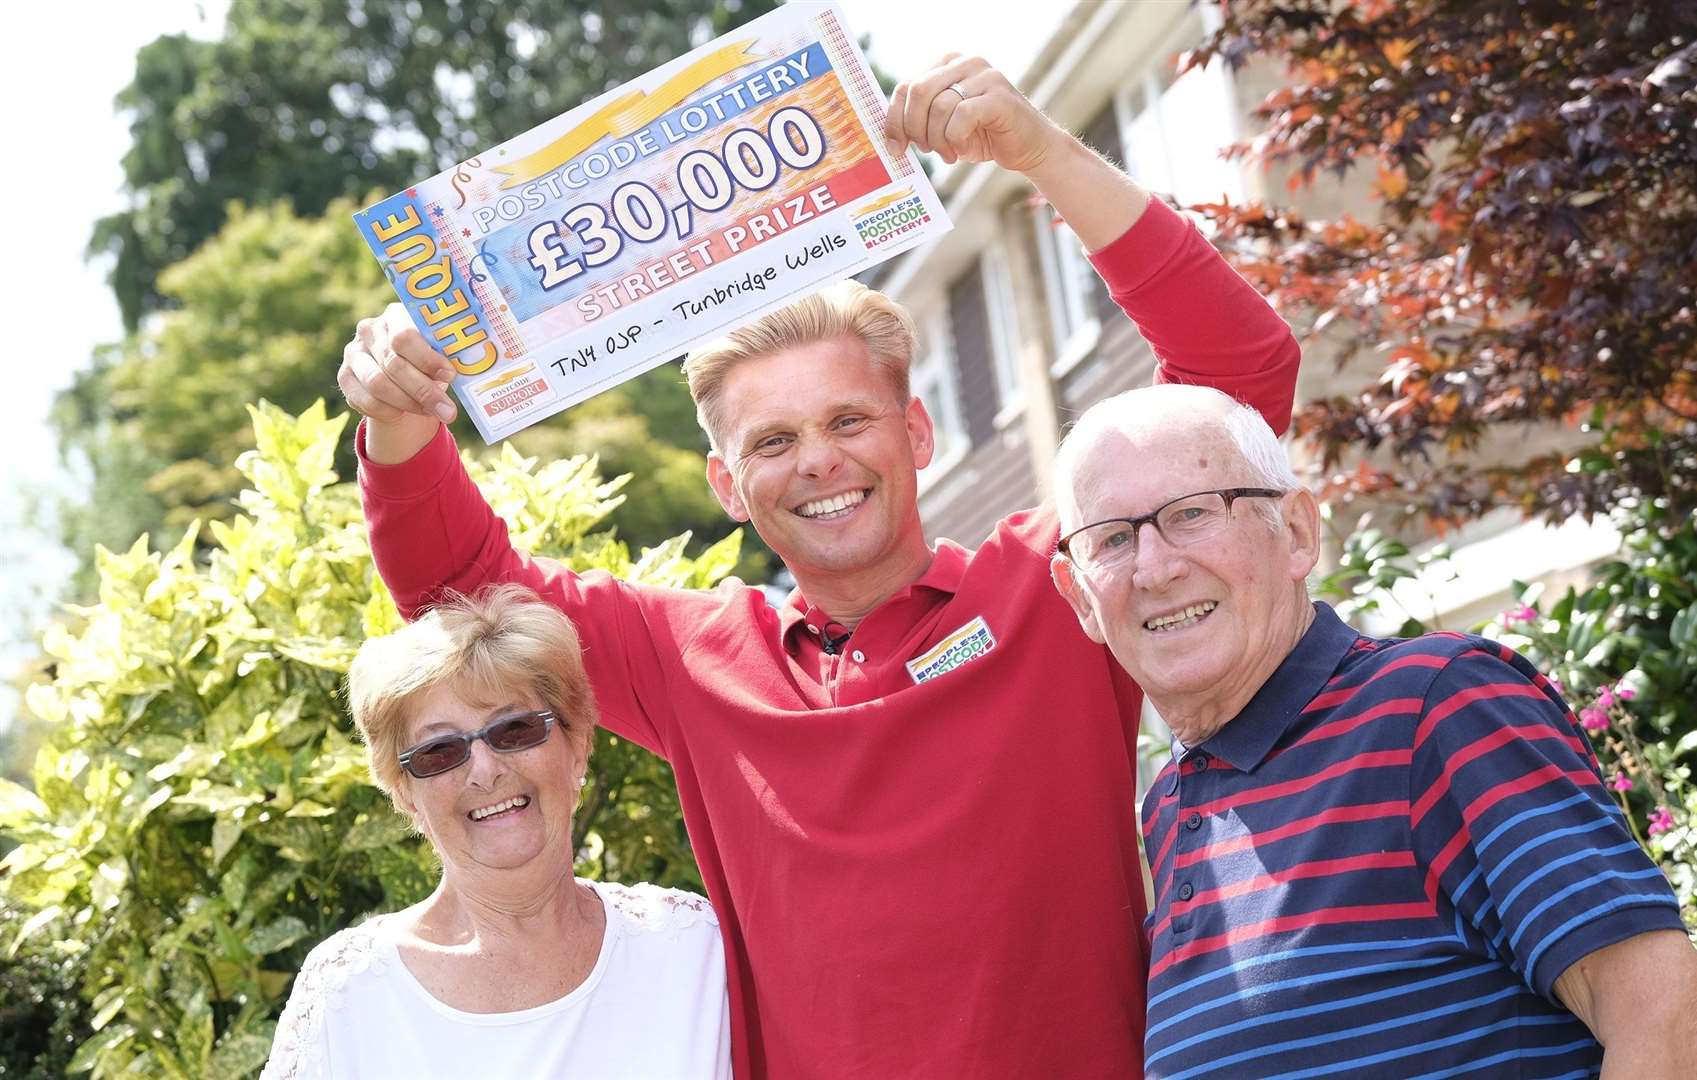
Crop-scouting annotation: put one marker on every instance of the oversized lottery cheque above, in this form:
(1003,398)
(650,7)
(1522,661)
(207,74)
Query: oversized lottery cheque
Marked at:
(654,218)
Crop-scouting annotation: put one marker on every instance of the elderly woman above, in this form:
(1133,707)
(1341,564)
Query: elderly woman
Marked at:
(478,721)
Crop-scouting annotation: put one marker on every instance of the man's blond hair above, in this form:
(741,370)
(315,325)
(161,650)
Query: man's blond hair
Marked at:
(845,310)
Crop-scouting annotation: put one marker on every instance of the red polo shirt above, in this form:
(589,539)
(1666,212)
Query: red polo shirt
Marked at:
(923,848)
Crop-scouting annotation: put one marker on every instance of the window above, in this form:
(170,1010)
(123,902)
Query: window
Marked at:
(933,382)
(1169,131)
(1004,333)
(1174,128)
(1076,295)
(977,392)
(1069,280)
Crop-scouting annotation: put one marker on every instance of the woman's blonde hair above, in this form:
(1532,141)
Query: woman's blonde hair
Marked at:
(497,646)
(847,309)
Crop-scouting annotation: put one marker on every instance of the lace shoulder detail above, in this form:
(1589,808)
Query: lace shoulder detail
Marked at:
(297,1052)
(650,907)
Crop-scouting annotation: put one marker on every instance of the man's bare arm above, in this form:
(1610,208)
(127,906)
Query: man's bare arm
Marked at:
(1639,998)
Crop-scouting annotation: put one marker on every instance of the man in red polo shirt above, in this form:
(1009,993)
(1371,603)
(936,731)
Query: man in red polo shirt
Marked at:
(912,789)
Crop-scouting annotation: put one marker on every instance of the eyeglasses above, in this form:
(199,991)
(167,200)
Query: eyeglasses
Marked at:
(1185,520)
(508,735)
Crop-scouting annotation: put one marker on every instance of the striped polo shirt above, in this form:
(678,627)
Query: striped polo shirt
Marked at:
(1380,867)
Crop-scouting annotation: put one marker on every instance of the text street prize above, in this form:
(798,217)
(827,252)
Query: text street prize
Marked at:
(658,216)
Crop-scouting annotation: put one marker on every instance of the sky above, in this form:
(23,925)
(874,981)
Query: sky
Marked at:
(64,116)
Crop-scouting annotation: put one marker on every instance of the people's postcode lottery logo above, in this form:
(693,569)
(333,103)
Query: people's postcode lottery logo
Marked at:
(892,216)
(961,647)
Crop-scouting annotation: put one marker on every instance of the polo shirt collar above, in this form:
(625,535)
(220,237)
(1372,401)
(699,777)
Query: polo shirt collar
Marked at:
(948,566)
(1251,735)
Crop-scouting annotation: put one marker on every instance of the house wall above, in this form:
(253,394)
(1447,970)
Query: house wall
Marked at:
(1062,344)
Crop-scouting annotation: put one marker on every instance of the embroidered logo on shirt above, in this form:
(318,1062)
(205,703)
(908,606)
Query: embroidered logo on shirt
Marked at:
(963,646)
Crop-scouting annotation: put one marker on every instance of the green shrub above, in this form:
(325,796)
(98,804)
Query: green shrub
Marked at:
(1625,653)
(42,1017)
(202,812)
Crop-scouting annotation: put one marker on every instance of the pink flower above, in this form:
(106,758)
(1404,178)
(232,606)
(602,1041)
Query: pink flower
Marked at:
(1621,782)
(1592,718)
(1519,613)
(1560,689)
(1625,692)
(1605,698)
(1661,820)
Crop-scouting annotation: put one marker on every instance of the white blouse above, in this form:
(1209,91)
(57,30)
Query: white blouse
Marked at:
(653,1008)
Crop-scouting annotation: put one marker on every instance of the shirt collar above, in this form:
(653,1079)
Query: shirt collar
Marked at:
(1251,735)
(948,566)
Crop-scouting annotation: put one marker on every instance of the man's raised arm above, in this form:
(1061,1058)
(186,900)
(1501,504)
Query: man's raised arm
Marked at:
(1206,325)
(966,110)
(433,534)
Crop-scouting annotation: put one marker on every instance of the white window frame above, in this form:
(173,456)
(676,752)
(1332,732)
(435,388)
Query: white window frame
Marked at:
(1148,136)
(932,380)
(999,306)
(1138,108)
(1072,314)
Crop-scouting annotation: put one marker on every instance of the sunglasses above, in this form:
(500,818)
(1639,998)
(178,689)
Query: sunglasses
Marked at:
(508,735)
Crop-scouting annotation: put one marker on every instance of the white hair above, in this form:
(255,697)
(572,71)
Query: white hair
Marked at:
(1204,407)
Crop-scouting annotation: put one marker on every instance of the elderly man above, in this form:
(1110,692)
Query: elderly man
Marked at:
(911,789)
(1379,857)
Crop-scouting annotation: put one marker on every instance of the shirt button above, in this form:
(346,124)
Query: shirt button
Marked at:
(859,657)
(1201,762)
(1185,892)
(1194,821)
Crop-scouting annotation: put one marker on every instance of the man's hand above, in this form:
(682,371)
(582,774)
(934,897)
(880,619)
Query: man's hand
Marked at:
(398,383)
(966,110)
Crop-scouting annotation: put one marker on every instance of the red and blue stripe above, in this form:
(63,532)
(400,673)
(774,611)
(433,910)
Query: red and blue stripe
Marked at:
(1382,865)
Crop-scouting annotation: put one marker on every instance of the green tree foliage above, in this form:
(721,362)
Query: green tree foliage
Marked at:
(645,427)
(1537,173)
(319,105)
(202,813)
(311,100)
(42,1020)
(262,310)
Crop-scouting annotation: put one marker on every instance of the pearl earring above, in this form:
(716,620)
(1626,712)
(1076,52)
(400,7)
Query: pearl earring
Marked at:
(582,780)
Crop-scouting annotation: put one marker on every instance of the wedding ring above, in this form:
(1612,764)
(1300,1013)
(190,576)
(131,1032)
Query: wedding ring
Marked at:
(956,87)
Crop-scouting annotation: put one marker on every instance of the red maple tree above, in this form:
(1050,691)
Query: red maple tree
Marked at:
(1536,166)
